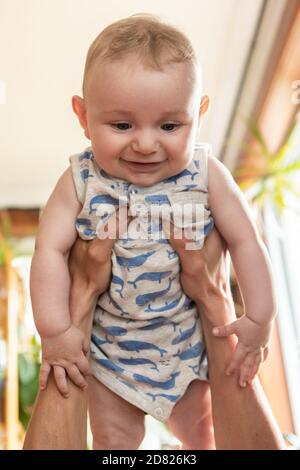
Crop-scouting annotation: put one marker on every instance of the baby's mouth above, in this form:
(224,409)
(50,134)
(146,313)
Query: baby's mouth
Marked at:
(142,166)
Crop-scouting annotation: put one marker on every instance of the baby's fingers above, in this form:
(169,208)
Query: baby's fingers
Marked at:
(76,376)
(257,362)
(246,369)
(61,381)
(44,374)
(238,357)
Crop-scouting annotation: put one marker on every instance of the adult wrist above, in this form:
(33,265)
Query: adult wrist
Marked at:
(217,309)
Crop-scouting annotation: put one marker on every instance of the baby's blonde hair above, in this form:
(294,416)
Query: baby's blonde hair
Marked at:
(156,43)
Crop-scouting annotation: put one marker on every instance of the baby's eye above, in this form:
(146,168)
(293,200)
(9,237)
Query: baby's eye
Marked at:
(121,126)
(170,126)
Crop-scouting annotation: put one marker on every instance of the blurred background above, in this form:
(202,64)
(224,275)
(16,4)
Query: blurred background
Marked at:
(251,64)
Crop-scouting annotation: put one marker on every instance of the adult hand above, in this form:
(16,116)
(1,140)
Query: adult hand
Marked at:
(204,274)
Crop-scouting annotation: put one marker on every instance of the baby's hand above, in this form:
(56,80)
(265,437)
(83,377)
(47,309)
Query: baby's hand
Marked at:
(65,352)
(252,348)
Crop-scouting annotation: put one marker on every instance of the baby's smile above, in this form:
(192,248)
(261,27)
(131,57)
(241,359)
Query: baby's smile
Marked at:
(142,166)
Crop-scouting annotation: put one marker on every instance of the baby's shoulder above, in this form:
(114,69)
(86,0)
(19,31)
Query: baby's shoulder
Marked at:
(219,177)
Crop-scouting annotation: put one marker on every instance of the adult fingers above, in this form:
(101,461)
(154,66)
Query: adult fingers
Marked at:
(225,330)
(175,235)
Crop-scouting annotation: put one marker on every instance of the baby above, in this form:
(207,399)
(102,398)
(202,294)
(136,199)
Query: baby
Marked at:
(141,109)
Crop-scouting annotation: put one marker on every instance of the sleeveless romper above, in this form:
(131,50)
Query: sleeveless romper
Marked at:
(146,343)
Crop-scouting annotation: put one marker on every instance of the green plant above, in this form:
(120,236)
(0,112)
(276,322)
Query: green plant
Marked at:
(29,369)
(29,359)
(271,176)
(5,238)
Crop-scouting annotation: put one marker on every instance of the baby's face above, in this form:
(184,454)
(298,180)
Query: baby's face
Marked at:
(142,123)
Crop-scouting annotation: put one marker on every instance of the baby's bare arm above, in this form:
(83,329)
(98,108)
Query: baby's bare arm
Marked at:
(62,343)
(49,278)
(235,223)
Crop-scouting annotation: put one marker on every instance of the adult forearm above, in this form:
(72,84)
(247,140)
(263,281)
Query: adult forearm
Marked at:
(242,417)
(49,289)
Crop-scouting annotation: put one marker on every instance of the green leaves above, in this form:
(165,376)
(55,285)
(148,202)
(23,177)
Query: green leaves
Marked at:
(267,175)
(29,369)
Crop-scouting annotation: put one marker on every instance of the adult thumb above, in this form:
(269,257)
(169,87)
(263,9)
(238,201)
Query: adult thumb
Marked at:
(174,234)
(225,330)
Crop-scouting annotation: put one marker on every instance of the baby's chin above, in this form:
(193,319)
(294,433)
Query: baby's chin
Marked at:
(147,178)
(144,179)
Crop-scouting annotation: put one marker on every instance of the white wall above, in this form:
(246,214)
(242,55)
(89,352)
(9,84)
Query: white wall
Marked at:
(43,44)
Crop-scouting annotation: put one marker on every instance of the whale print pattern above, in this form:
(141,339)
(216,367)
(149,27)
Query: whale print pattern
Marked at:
(147,342)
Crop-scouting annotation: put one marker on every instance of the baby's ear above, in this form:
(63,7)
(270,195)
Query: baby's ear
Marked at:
(204,105)
(79,109)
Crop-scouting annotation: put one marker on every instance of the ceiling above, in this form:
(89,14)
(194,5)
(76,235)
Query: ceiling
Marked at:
(43,44)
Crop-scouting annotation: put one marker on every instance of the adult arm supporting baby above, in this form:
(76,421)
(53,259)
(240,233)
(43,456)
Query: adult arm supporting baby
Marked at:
(242,416)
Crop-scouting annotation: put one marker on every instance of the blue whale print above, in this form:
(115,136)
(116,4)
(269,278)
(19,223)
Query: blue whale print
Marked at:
(117,280)
(175,178)
(151,276)
(208,227)
(138,362)
(147,298)
(164,385)
(157,322)
(110,365)
(116,330)
(117,306)
(191,352)
(165,307)
(88,232)
(103,199)
(196,368)
(87,155)
(134,261)
(185,334)
(99,341)
(138,346)
(85,174)
(85,222)
(188,187)
(157,199)
(172,398)
(172,254)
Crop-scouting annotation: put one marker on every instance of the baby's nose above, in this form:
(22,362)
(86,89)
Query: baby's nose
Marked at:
(145,143)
